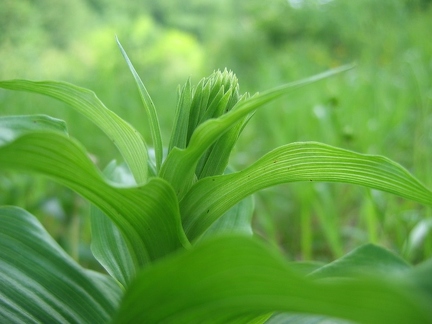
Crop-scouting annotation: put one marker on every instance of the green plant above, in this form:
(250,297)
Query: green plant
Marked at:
(175,233)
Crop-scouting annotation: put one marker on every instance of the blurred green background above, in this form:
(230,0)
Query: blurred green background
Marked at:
(383,107)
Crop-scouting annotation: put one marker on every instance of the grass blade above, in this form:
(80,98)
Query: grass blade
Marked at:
(149,109)
(209,198)
(129,142)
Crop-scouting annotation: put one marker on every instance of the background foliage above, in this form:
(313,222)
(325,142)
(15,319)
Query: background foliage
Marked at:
(382,107)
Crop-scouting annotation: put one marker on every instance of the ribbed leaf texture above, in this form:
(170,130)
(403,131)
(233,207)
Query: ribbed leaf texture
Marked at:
(153,229)
(209,198)
(129,141)
(40,283)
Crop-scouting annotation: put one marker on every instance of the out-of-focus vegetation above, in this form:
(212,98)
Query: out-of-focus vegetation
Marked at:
(384,106)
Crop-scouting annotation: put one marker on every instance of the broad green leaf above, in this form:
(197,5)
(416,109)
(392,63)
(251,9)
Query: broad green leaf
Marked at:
(232,279)
(365,260)
(236,220)
(108,244)
(128,140)
(209,198)
(305,267)
(40,283)
(180,164)
(149,109)
(147,216)
(13,126)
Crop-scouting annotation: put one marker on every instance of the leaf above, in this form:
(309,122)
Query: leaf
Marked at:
(147,216)
(179,167)
(215,160)
(304,319)
(237,220)
(128,140)
(367,259)
(108,244)
(110,248)
(179,134)
(12,127)
(209,198)
(420,276)
(233,279)
(305,267)
(40,283)
(149,109)
(199,104)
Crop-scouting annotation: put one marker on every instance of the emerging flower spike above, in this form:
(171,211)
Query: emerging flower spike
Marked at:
(211,98)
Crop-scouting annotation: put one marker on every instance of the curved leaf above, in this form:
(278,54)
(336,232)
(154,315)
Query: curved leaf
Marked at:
(367,259)
(40,283)
(147,216)
(108,244)
(233,279)
(180,164)
(209,198)
(128,140)
(110,248)
(237,220)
